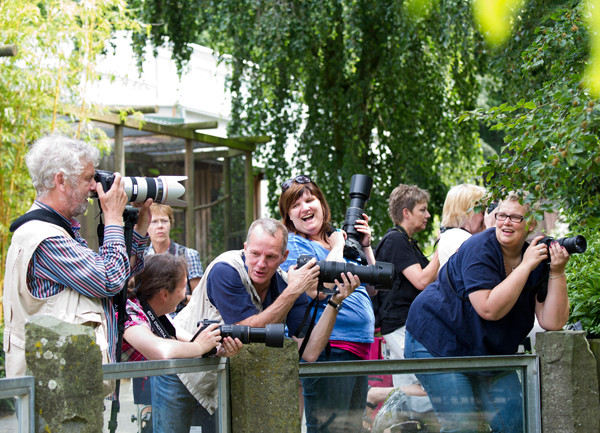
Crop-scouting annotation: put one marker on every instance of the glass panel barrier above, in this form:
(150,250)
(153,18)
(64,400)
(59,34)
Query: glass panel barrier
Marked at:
(329,389)
(134,415)
(17,404)
(523,367)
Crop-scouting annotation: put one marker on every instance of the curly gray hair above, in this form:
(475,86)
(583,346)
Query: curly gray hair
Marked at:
(54,154)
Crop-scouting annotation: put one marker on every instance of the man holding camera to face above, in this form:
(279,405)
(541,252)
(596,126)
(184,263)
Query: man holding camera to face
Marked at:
(245,287)
(50,270)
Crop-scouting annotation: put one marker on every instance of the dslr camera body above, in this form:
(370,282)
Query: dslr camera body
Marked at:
(575,244)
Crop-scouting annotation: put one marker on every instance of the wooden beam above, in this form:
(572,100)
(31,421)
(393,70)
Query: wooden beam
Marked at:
(198,156)
(173,131)
(119,151)
(257,139)
(211,124)
(8,50)
(146,109)
(227,204)
(249,190)
(190,214)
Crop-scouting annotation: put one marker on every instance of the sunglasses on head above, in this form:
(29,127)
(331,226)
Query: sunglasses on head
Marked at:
(298,179)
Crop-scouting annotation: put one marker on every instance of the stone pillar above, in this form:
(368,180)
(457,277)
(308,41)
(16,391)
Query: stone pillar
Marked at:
(569,383)
(67,366)
(264,389)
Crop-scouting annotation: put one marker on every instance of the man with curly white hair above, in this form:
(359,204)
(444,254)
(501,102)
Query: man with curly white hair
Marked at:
(49,269)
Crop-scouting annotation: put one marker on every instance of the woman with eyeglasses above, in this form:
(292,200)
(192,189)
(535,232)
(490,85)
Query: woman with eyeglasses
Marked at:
(484,303)
(459,219)
(331,404)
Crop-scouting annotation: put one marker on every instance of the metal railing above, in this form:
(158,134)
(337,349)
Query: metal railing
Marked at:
(23,388)
(124,370)
(525,365)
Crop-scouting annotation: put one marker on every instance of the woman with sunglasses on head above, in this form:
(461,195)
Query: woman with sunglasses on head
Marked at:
(331,404)
(484,303)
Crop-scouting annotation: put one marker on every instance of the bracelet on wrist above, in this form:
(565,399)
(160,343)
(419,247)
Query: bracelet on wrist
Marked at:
(558,276)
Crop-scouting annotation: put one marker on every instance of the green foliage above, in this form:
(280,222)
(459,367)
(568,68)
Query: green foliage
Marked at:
(551,150)
(362,87)
(58,42)
(550,126)
(583,277)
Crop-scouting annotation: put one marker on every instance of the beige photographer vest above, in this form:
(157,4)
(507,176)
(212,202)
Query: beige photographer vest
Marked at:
(19,304)
(203,386)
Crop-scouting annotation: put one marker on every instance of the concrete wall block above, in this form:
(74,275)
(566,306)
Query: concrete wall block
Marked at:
(569,383)
(264,389)
(67,365)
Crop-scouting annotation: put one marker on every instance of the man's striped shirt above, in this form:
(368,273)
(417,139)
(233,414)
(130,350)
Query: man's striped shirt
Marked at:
(61,261)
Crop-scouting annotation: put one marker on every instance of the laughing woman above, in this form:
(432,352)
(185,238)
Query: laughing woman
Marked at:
(331,404)
(484,303)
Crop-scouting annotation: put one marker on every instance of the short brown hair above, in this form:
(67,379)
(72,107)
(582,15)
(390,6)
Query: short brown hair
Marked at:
(293,193)
(405,197)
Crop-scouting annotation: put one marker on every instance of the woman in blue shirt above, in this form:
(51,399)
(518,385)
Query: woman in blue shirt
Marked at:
(306,214)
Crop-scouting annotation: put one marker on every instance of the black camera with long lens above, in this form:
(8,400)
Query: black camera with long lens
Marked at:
(271,335)
(360,192)
(575,244)
(381,274)
(162,189)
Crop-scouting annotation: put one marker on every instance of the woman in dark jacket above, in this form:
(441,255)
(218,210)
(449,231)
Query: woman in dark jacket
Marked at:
(484,303)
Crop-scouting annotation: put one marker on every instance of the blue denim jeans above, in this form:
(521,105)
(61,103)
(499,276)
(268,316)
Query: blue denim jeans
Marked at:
(461,399)
(175,409)
(335,403)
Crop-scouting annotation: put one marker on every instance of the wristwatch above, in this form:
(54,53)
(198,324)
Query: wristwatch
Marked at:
(336,307)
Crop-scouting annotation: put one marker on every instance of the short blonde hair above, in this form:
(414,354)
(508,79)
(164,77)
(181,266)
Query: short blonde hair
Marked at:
(162,208)
(460,204)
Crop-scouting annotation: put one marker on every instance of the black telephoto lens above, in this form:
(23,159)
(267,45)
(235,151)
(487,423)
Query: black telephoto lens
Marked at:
(381,274)
(360,191)
(271,335)
(575,244)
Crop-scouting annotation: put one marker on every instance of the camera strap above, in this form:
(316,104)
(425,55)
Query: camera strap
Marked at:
(314,306)
(180,251)
(42,215)
(161,326)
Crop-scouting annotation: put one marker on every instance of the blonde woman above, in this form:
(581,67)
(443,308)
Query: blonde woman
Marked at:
(459,219)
